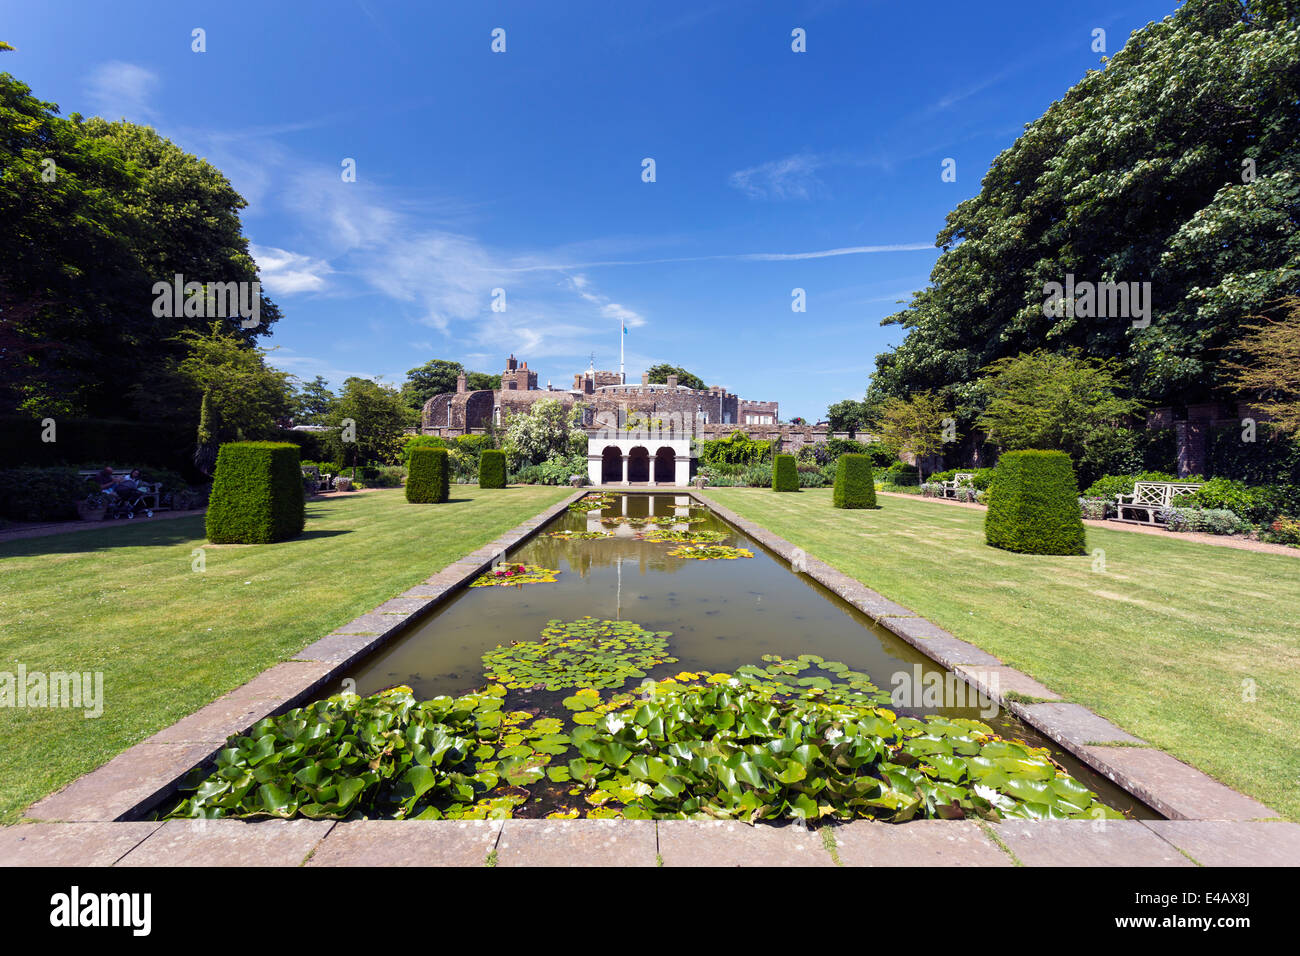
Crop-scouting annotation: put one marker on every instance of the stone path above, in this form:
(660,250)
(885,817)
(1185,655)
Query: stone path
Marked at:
(617,843)
(95,820)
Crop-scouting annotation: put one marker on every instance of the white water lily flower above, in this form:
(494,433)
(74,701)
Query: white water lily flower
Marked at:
(734,682)
(834,734)
(614,725)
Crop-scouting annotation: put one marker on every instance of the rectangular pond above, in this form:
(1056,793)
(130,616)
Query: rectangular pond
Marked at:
(721,614)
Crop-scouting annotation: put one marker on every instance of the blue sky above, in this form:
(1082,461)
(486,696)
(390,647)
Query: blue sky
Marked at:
(522,170)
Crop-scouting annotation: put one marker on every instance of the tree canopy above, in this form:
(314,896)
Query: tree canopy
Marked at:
(1177,164)
(659,376)
(95,214)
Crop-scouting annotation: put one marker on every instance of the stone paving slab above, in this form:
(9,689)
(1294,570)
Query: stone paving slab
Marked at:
(1215,843)
(727,843)
(285,683)
(215,723)
(402,605)
(1087,843)
(380,625)
(229,843)
(133,780)
(408,843)
(70,844)
(948,651)
(577,843)
(338,648)
(918,843)
(1073,725)
(996,681)
(1171,787)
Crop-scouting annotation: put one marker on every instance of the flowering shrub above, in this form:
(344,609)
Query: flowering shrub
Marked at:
(1284,531)
(1097,509)
(1204,520)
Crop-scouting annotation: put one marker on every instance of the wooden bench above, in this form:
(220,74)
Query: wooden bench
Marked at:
(962,478)
(150,494)
(1149,498)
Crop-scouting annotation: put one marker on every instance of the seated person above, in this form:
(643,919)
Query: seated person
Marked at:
(128,488)
(107,480)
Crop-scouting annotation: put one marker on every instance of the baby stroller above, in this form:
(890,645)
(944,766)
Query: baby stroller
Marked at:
(125,502)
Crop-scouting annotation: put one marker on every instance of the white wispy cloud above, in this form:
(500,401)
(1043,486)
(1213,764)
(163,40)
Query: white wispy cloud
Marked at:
(794,177)
(121,90)
(285,273)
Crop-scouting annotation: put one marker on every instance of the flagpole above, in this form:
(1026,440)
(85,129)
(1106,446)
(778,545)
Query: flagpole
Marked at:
(622,331)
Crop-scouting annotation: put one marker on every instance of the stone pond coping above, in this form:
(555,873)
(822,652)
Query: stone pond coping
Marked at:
(925,843)
(1209,823)
(1172,788)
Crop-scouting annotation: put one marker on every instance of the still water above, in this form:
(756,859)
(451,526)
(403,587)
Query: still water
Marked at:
(722,614)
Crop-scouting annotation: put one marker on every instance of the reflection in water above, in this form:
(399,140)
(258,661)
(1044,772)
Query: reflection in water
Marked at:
(722,614)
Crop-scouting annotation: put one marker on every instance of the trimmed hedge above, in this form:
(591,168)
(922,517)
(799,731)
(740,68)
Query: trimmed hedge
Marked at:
(257,495)
(492,469)
(428,477)
(855,485)
(1033,504)
(785,473)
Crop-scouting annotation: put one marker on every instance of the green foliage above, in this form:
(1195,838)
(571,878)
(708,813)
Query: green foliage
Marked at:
(379,424)
(709,552)
(428,476)
(42,494)
(1110,486)
(1284,531)
(257,494)
(659,376)
(901,473)
(548,430)
(1033,505)
(848,416)
(515,575)
(1260,504)
(127,209)
(380,756)
(492,469)
(691,536)
(419,441)
(553,471)
(914,426)
(95,442)
(736,449)
(855,485)
(1106,186)
(582,653)
(1204,520)
(785,473)
(434,377)
(313,402)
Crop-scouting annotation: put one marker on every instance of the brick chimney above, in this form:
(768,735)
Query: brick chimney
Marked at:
(645,378)
(460,383)
(672,381)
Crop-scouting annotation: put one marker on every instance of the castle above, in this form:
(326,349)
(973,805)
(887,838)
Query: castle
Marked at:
(608,402)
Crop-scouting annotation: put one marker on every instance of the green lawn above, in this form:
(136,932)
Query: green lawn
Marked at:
(1162,641)
(125,600)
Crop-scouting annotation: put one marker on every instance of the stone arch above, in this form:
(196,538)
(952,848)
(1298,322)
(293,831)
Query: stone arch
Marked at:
(638,464)
(665,469)
(611,465)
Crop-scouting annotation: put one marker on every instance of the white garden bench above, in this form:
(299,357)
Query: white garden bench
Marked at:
(962,478)
(1149,498)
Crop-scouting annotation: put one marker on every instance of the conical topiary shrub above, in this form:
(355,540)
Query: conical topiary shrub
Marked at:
(492,469)
(257,495)
(428,476)
(785,473)
(1034,504)
(855,484)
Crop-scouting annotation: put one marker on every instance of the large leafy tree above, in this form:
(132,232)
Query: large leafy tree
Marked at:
(94,214)
(246,397)
(371,420)
(1057,402)
(313,402)
(913,425)
(1178,164)
(437,377)
(659,376)
(548,430)
(1270,373)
